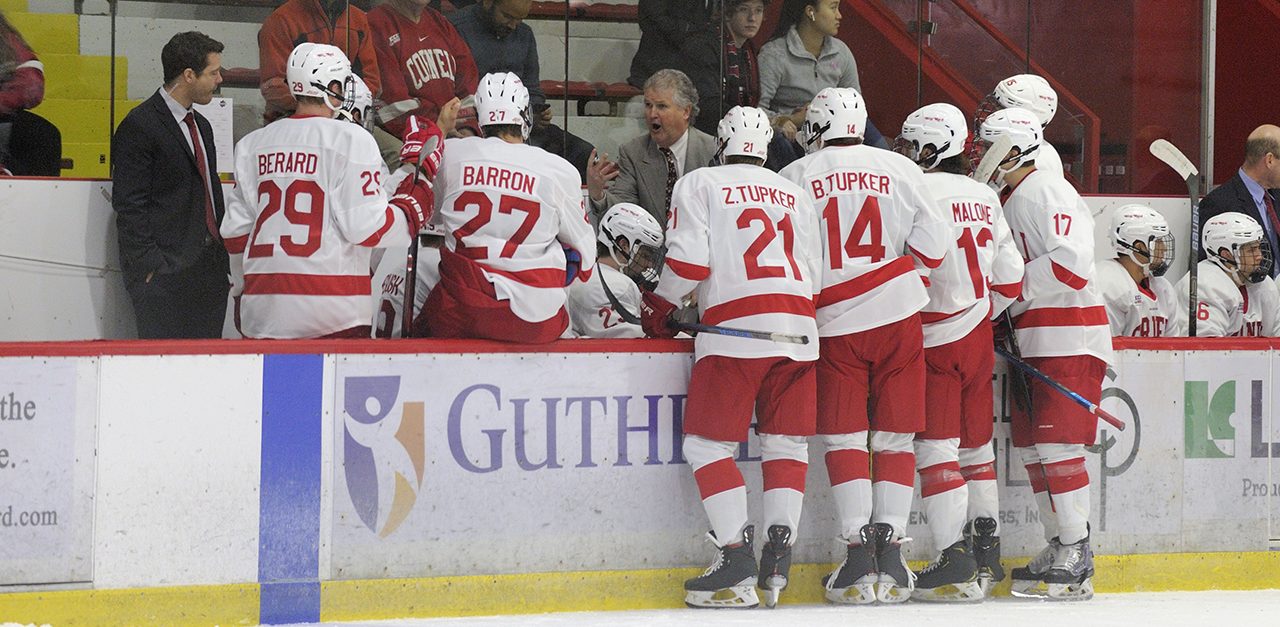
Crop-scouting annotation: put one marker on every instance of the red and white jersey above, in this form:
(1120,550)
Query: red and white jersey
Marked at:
(512,208)
(1226,309)
(747,240)
(882,233)
(1060,312)
(981,264)
(307,208)
(1148,309)
(389,317)
(590,312)
(423,64)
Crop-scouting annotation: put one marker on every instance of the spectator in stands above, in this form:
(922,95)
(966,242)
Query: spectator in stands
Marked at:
(168,199)
(500,41)
(332,22)
(722,63)
(803,57)
(664,27)
(649,165)
(29,144)
(1252,191)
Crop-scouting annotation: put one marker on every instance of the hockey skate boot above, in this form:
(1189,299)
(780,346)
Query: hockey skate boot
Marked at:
(896,581)
(854,581)
(1028,581)
(1071,577)
(775,564)
(952,577)
(730,580)
(981,535)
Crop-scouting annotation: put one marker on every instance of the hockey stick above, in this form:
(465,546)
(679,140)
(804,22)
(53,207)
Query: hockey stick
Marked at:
(1019,380)
(1080,400)
(1172,157)
(994,156)
(411,259)
(630,318)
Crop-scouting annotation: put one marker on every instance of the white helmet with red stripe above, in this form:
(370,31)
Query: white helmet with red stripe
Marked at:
(1239,235)
(1023,130)
(1142,234)
(1028,91)
(933,133)
(634,239)
(835,113)
(745,132)
(502,99)
(313,68)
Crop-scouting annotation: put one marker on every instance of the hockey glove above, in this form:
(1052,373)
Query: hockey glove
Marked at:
(417,132)
(572,265)
(415,200)
(655,316)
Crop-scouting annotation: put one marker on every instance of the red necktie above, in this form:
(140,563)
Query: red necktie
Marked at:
(203,166)
(1271,213)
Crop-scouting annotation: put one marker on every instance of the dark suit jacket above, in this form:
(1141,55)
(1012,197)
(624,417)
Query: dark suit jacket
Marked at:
(157,192)
(1234,196)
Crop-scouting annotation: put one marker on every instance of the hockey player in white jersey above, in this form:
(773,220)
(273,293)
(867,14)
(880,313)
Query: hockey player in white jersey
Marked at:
(1033,93)
(1140,301)
(1061,327)
(309,206)
(628,257)
(954,455)
(883,234)
(745,241)
(1236,294)
(518,230)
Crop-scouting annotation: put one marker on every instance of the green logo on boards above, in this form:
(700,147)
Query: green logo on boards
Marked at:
(1209,434)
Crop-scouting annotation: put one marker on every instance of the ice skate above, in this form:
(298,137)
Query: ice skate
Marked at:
(854,581)
(775,564)
(952,577)
(981,534)
(1071,577)
(1028,581)
(896,581)
(730,580)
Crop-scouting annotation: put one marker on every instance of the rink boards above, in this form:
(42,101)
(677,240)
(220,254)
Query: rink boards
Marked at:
(238,482)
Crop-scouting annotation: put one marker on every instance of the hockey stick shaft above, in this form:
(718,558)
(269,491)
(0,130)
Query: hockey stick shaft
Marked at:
(1062,389)
(1174,158)
(631,318)
(411,257)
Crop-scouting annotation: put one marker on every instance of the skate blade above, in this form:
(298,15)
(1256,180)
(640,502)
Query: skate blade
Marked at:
(774,585)
(857,594)
(890,593)
(1082,591)
(1029,589)
(740,597)
(965,592)
(986,584)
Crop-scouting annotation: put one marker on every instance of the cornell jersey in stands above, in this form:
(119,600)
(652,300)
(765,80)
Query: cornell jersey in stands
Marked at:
(424,64)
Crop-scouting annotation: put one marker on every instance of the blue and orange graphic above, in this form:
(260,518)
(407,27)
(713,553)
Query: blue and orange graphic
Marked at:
(384,451)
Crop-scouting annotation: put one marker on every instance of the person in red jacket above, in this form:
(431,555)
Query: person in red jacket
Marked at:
(317,21)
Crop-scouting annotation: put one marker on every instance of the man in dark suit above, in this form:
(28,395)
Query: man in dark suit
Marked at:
(1252,190)
(168,199)
(649,165)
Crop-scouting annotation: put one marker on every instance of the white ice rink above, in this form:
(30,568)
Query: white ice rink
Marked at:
(1154,609)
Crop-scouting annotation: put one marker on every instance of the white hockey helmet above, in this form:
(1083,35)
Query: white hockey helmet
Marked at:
(357,106)
(1137,223)
(502,98)
(634,239)
(1023,130)
(1028,91)
(313,68)
(835,113)
(933,133)
(1237,233)
(745,132)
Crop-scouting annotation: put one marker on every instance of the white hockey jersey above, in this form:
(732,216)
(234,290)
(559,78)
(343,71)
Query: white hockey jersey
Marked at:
(590,312)
(982,272)
(874,209)
(748,241)
(308,206)
(389,317)
(1135,310)
(1048,160)
(1226,309)
(1060,312)
(512,208)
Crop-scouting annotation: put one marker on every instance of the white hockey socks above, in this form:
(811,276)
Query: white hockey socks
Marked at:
(978,466)
(724,495)
(849,467)
(893,462)
(785,460)
(943,493)
(1068,482)
(1040,488)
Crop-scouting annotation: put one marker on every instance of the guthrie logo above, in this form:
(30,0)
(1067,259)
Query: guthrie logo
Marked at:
(384,451)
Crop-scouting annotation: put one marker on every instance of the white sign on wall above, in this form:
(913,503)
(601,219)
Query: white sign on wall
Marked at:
(48,412)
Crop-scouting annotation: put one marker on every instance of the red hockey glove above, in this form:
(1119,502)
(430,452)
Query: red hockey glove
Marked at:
(417,134)
(415,200)
(655,315)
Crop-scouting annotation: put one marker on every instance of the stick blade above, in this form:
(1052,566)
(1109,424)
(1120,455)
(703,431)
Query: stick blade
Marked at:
(991,160)
(1172,157)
